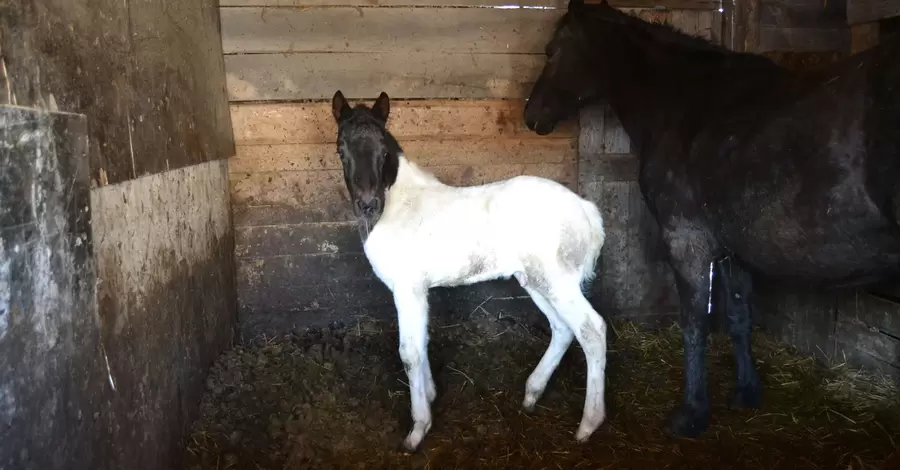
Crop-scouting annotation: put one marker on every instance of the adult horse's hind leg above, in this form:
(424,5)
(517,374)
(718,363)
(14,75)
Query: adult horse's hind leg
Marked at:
(560,340)
(738,285)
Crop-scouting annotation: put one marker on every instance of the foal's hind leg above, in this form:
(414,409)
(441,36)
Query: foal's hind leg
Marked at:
(738,287)
(590,330)
(559,342)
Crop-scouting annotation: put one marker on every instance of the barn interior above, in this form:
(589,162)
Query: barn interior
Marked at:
(182,284)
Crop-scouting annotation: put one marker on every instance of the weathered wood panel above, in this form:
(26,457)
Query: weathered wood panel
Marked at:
(280,123)
(430,153)
(56,59)
(793,14)
(864,36)
(254,77)
(51,370)
(180,113)
(773,38)
(863,11)
(801,317)
(304,72)
(325,193)
(505,4)
(392,30)
(166,304)
(147,73)
(867,331)
(260,241)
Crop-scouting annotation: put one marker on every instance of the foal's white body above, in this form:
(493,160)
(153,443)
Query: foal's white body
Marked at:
(431,234)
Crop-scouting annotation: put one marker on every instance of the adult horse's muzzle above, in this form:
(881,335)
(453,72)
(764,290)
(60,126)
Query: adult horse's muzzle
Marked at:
(537,117)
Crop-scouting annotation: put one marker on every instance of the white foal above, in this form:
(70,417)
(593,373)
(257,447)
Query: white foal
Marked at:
(419,233)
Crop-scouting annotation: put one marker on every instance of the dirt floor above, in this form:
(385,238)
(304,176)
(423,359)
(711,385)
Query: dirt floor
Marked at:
(338,398)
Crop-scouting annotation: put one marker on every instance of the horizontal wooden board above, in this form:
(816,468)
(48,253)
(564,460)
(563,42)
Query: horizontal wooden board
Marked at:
(392,30)
(864,11)
(284,123)
(294,157)
(505,4)
(292,271)
(785,16)
(403,31)
(325,190)
(297,239)
(773,38)
(256,294)
(867,331)
(313,76)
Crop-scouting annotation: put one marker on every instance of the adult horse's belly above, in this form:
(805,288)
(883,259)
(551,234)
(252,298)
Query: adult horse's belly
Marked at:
(813,241)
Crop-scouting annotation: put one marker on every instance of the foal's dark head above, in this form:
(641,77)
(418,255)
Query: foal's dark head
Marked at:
(369,155)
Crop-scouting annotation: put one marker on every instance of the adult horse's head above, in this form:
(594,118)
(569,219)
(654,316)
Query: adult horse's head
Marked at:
(569,78)
(369,155)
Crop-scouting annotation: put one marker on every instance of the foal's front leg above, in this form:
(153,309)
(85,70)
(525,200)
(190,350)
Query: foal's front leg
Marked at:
(412,316)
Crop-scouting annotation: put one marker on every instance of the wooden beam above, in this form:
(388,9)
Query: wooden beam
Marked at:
(864,11)
(863,36)
(312,123)
(773,38)
(486,151)
(668,4)
(316,76)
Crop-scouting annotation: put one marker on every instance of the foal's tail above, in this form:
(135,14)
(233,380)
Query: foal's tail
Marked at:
(594,239)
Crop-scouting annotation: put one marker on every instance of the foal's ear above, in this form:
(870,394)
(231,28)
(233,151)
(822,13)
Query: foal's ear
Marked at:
(382,107)
(339,107)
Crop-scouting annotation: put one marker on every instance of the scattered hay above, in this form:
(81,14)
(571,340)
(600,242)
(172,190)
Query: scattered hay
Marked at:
(338,398)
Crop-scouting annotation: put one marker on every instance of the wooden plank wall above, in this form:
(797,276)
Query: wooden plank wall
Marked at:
(457,73)
(802,26)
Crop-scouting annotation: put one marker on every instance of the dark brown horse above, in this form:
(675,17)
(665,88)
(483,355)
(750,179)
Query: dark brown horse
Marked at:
(793,177)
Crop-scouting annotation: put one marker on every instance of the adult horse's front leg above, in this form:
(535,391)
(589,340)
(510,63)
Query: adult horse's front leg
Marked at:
(738,285)
(691,255)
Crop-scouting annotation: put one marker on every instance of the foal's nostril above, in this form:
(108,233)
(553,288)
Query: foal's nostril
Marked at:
(367,207)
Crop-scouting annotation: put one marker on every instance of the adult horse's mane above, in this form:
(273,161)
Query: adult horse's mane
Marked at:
(663,35)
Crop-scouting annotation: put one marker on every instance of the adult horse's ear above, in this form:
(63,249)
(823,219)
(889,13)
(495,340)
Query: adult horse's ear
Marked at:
(382,107)
(339,107)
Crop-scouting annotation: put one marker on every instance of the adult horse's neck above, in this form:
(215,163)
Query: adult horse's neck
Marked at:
(660,82)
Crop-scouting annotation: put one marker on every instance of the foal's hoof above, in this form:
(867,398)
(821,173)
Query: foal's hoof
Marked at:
(406,448)
(529,405)
(688,422)
(748,396)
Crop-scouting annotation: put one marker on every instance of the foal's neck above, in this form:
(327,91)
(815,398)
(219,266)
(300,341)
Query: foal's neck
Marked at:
(410,175)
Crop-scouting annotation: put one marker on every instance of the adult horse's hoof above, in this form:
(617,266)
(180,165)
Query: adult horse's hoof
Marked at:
(688,422)
(748,396)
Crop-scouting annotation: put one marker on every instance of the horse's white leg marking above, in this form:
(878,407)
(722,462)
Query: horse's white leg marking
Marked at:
(559,342)
(412,316)
(590,331)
